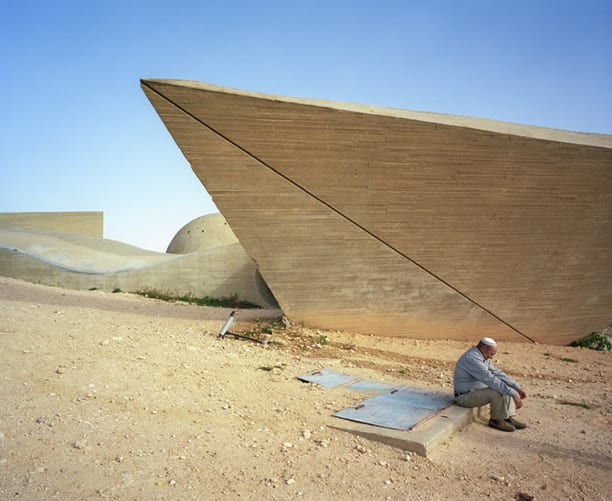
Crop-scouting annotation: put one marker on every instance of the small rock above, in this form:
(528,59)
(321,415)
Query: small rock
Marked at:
(522,496)
(80,444)
(290,481)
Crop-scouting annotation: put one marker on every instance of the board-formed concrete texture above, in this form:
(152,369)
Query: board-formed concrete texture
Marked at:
(400,223)
(90,223)
(83,262)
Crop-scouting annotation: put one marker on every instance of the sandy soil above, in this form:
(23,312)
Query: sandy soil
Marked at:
(115,396)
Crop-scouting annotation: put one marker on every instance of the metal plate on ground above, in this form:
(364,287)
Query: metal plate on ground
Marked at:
(400,409)
(370,386)
(327,378)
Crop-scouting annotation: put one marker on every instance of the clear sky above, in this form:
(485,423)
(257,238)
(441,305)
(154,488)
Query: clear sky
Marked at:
(78,134)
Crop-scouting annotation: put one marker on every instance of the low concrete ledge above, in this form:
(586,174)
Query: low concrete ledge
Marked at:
(424,438)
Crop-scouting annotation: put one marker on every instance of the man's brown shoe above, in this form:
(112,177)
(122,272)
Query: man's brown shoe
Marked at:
(500,424)
(517,424)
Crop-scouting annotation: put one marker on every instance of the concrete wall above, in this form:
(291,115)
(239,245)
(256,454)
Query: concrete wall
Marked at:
(212,262)
(198,274)
(406,224)
(82,223)
(216,268)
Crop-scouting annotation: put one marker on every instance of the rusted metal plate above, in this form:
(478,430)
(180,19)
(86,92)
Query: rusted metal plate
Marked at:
(400,408)
(327,378)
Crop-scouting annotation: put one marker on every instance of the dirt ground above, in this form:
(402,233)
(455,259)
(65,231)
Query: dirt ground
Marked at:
(115,396)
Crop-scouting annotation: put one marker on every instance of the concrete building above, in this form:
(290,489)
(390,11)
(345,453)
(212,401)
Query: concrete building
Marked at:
(400,223)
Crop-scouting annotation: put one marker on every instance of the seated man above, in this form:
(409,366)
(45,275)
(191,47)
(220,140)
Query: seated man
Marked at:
(478,382)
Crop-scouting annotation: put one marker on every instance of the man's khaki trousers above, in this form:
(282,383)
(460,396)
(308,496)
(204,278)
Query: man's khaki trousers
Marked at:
(502,406)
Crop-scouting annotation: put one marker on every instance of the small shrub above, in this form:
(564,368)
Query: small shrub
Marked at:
(567,359)
(584,405)
(596,341)
(270,368)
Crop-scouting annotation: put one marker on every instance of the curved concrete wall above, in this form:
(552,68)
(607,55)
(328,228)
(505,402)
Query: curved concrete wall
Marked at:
(80,262)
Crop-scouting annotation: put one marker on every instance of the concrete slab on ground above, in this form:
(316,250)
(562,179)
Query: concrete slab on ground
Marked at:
(400,408)
(423,438)
(410,418)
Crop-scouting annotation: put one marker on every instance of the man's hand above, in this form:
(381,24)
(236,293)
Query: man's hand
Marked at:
(522,394)
(518,403)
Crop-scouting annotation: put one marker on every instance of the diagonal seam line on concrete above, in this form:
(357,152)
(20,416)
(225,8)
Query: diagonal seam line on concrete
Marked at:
(333,209)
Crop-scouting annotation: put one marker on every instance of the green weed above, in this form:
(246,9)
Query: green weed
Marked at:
(270,368)
(584,405)
(232,301)
(595,341)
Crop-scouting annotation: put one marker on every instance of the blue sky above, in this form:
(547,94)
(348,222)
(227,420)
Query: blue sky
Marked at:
(78,134)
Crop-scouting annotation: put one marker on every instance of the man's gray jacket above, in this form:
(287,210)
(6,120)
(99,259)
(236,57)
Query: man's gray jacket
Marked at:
(474,372)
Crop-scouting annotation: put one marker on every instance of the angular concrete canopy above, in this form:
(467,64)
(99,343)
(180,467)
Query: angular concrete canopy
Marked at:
(400,223)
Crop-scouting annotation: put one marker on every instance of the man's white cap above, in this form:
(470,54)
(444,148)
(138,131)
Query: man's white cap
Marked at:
(488,341)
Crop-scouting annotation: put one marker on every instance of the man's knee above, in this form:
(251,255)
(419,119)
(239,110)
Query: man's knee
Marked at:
(497,397)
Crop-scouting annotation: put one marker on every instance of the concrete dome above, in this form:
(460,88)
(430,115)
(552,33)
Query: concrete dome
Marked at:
(202,233)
